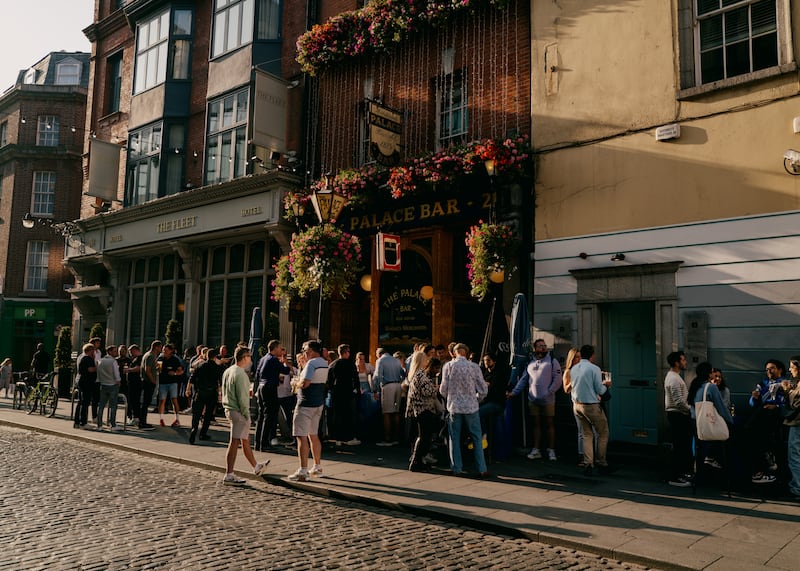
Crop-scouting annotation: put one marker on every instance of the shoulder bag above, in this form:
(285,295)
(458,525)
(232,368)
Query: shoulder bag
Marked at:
(710,425)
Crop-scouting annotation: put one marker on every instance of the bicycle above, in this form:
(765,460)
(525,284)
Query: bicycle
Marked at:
(21,389)
(43,396)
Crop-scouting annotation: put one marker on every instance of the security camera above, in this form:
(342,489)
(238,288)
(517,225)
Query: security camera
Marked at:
(791,162)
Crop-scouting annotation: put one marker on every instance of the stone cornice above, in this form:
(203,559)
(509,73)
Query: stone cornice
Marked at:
(631,270)
(206,195)
(106,26)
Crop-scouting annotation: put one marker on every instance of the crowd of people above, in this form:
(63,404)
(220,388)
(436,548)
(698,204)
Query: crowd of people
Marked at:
(435,397)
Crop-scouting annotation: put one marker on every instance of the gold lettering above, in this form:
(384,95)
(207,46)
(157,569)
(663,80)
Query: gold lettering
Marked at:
(409,214)
(397,216)
(452,206)
(387,218)
(437,209)
(424,211)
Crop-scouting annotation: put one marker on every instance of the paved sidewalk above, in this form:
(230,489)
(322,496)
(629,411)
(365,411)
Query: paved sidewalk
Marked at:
(629,515)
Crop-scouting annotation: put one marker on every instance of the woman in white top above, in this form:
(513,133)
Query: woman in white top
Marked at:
(6,372)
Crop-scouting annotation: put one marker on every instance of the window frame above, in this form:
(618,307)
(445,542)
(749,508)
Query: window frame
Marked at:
(688,46)
(157,47)
(36,266)
(221,42)
(238,129)
(114,64)
(145,150)
(444,95)
(47,137)
(3,133)
(60,74)
(43,194)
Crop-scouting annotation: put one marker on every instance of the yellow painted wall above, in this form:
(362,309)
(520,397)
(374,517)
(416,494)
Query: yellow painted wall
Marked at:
(599,167)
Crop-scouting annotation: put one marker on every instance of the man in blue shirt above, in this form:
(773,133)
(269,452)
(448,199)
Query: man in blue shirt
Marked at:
(269,374)
(308,412)
(587,386)
(387,378)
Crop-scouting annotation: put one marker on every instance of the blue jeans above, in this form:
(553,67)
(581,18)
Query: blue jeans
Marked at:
(794,459)
(109,394)
(472,423)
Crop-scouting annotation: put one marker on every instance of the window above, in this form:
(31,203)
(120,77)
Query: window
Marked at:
(44,193)
(724,39)
(3,133)
(36,263)
(114,70)
(30,77)
(47,131)
(68,72)
(736,38)
(233,25)
(151,52)
(157,293)
(181,44)
(226,143)
(364,151)
(269,22)
(453,119)
(144,160)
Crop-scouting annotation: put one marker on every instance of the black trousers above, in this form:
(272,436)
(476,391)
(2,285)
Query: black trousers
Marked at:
(148,389)
(344,416)
(427,423)
(682,428)
(204,401)
(267,399)
(134,397)
(85,389)
(94,392)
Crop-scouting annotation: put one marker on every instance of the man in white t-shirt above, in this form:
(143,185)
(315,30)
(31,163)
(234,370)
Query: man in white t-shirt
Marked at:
(307,414)
(676,404)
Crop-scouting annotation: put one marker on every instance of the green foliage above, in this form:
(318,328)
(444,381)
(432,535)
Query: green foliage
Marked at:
(62,358)
(173,333)
(97,330)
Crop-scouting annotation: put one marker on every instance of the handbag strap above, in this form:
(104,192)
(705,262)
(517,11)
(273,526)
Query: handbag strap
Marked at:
(705,391)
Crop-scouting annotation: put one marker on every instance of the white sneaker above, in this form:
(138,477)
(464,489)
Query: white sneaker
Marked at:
(430,459)
(116,429)
(534,454)
(713,463)
(551,454)
(274,442)
(316,471)
(300,476)
(233,480)
(259,467)
(353,442)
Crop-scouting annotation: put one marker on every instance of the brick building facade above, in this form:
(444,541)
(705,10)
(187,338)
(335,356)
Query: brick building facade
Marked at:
(41,136)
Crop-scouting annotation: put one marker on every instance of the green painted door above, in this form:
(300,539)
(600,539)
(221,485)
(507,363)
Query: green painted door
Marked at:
(632,361)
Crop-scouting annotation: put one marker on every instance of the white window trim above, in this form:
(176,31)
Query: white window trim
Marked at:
(445,87)
(51,184)
(159,49)
(44,265)
(226,9)
(51,133)
(61,74)
(786,62)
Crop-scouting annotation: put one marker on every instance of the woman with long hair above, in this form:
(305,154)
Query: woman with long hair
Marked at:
(704,377)
(422,395)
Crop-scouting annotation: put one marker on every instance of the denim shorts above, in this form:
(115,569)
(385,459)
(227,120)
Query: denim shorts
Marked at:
(170,390)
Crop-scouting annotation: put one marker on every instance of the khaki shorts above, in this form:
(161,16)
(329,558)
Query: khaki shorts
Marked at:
(542,409)
(390,397)
(240,426)
(306,420)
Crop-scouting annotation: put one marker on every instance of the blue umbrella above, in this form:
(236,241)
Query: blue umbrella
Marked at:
(520,350)
(256,331)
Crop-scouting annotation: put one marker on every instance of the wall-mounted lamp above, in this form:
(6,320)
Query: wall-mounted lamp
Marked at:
(791,162)
(366,282)
(489,164)
(618,257)
(426,292)
(66,229)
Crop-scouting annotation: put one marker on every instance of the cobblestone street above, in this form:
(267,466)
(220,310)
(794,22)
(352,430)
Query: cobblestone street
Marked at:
(68,505)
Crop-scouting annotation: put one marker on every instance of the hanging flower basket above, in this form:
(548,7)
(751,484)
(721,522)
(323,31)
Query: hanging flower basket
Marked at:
(322,258)
(437,172)
(491,248)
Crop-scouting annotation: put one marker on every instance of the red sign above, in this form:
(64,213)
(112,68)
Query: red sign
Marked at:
(388,250)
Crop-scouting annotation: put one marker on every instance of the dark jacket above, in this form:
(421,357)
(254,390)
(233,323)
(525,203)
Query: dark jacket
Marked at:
(343,378)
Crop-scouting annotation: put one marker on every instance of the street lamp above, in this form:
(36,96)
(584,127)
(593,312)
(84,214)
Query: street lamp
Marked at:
(328,205)
(66,228)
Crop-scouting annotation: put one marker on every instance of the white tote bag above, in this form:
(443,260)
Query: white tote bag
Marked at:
(710,425)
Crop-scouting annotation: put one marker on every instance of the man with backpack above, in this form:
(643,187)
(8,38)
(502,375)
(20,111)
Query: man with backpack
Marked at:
(542,377)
